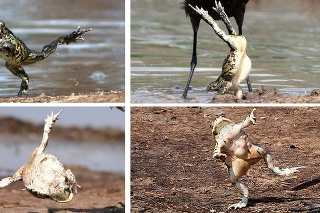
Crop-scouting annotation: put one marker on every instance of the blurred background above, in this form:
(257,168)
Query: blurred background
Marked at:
(92,137)
(283,45)
(95,64)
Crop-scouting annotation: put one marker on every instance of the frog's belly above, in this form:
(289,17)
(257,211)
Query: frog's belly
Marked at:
(243,72)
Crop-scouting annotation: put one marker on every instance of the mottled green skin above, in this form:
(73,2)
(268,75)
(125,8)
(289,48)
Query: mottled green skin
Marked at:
(16,54)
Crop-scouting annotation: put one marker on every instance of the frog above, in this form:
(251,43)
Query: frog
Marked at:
(238,151)
(16,53)
(44,176)
(237,64)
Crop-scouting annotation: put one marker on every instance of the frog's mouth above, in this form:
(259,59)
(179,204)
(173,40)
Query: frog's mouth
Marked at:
(38,194)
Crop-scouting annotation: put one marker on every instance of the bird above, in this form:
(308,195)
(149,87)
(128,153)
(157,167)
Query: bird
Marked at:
(237,65)
(233,8)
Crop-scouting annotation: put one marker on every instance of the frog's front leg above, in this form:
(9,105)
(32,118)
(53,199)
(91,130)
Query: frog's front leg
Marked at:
(251,119)
(19,71)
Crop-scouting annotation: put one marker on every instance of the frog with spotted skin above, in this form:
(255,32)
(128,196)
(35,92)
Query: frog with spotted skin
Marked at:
(236,66)
(237,150)
(44,175)
(16,53)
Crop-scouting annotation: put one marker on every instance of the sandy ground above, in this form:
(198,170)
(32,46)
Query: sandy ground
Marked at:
(172,169)
(92,97)
(100,192)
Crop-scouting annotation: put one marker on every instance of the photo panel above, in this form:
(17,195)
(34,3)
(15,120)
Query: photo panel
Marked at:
(209,159)
(62,51)
(280,58)
(80,169)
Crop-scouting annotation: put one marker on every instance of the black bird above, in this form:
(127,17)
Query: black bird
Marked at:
(233,8)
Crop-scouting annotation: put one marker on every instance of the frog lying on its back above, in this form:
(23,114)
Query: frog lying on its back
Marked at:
(16,53)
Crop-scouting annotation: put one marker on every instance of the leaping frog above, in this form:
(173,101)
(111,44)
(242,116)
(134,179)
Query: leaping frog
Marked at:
(16,54)
(238,151)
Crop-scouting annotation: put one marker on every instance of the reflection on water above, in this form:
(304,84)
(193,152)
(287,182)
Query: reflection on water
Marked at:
(101,51)
(283,44)
(95,156)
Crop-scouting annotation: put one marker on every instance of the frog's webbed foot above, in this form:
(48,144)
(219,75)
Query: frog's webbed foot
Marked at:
(76,35)
(5,182)
(23,92)
(287,171)
(243,203)
(252,117)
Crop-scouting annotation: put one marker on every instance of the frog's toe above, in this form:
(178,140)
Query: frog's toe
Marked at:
(22,92)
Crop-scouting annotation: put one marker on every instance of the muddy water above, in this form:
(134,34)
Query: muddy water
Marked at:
(97,63)
(102,157)
(283,44)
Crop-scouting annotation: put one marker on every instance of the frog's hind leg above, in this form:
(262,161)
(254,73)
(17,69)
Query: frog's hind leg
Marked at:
(16,177)
(235,172)
(19,71)
(287,171)
(50,121)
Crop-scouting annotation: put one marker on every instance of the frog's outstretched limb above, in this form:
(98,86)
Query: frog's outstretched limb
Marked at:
(49,122)
(35,56)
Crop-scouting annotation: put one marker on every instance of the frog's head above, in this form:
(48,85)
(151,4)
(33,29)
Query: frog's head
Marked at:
(218,124)
(3,29)
(70,187)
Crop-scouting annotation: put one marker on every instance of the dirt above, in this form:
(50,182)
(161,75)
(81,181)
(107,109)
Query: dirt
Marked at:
(91,97)
(172,169)
(99,192)
(269,95)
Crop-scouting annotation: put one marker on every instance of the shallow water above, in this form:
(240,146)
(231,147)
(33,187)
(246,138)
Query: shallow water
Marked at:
(97,63)
(102,157)
(283,44)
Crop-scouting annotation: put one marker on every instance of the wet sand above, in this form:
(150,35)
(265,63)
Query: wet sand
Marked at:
(92,97)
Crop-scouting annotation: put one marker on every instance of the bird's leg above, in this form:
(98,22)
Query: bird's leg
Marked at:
(49,122)
(19,71)
(220,10)
(193,64)
(48,49)
(287,171)
(249,84)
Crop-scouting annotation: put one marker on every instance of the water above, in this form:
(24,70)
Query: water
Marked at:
(102,51)
(101,157)
(283,44)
